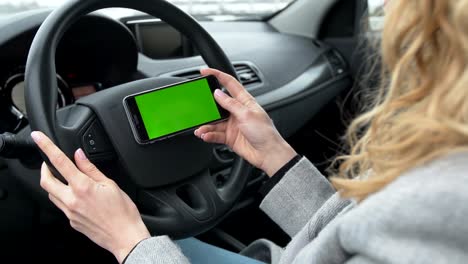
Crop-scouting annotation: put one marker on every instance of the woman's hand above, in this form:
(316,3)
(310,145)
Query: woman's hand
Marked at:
(93,203)
(249,131)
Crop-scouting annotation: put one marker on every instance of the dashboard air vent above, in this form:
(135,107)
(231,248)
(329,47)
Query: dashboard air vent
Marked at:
(248,75)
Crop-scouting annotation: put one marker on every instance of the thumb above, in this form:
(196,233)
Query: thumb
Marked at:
(230,104)
(88,168)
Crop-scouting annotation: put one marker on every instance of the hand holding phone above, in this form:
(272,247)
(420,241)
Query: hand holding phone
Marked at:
(167,111)
(249,132)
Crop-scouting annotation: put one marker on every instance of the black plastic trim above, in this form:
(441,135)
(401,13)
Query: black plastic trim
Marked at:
(311,81)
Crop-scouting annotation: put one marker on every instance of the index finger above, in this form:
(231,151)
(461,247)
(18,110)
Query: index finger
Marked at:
(60,161)
(232,85)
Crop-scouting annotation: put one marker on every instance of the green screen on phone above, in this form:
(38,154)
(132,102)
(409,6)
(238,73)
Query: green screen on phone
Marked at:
(177,108)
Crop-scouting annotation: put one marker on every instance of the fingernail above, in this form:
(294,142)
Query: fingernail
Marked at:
(202,136)
(81,155)
(36,136)
(195,132)
(219,93)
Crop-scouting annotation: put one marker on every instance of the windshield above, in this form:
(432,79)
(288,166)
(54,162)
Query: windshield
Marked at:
(209,9)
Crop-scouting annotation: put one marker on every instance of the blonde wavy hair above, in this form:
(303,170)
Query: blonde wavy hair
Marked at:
(421,109)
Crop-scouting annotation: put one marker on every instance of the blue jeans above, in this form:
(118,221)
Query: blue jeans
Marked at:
(199,252)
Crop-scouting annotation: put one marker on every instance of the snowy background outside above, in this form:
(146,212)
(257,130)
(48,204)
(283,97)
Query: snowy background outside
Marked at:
(216,9)
(225,8)
(376,14)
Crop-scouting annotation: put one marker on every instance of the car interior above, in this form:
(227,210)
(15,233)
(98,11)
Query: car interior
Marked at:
(65,71)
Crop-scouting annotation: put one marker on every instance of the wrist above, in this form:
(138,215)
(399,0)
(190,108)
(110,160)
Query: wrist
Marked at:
(278,156)
(121,252)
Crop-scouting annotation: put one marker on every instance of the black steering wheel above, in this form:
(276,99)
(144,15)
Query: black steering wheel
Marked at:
(171,178)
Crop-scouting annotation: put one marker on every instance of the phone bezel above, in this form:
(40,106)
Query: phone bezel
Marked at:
(136,121)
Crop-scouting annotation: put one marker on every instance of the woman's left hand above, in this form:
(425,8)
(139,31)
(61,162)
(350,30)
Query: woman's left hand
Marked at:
(93,203)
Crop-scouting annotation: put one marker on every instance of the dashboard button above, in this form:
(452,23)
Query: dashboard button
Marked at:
(95,140)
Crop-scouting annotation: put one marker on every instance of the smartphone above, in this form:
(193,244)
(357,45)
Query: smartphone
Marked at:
(167,111)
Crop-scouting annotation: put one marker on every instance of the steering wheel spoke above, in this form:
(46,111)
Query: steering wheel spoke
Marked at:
(80,128)
(195,200)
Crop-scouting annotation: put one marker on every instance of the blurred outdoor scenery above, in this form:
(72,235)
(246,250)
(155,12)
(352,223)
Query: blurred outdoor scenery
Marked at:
(376,14)
(213,9)
(224,8)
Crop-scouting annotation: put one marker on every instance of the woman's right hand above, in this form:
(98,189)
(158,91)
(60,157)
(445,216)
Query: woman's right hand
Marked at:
(249,131)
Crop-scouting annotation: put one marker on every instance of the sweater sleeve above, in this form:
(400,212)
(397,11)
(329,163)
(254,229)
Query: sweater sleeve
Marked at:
(297,197)
(156,250)
(266,188)
(419,218)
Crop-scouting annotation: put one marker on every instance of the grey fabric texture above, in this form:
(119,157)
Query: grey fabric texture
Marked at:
(419,218)
(157,250)
(297,197)
(334,206)
(263,250)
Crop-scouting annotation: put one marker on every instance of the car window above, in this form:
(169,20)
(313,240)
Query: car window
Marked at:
(209,9)
(376,14)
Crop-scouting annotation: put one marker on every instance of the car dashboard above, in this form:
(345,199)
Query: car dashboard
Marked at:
(292,77)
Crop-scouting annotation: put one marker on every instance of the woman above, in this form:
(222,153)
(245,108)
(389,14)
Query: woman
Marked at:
(407,205)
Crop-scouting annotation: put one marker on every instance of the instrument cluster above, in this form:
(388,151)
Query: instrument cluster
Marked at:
(95,54)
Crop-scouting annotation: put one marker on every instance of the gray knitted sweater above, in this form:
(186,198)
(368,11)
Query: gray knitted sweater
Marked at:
(422,217)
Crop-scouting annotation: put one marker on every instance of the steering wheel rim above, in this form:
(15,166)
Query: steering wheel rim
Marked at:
(68,127)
